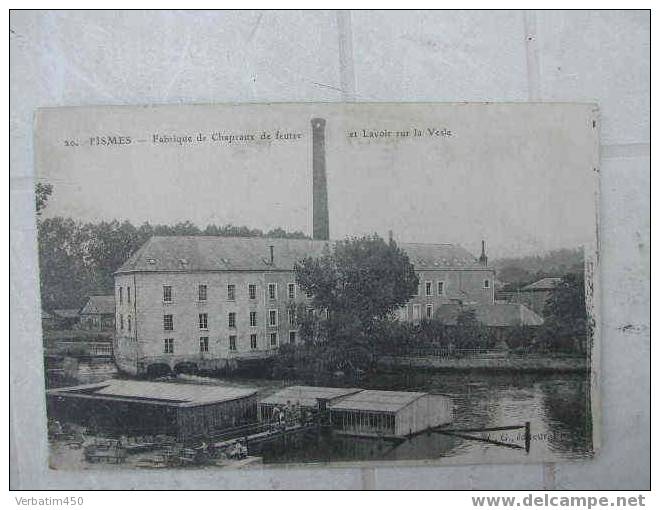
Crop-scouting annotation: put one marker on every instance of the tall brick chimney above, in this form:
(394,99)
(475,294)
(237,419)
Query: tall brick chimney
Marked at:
(321,222)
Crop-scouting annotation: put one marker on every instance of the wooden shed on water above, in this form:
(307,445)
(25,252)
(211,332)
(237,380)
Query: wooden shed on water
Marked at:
(389,413)
(307,397)
(184,411)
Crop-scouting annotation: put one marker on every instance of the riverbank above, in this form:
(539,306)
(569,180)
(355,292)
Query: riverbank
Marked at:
(502,363)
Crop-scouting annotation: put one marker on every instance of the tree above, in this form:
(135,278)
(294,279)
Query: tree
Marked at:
(469,332)
(42,193)
(565,315)
(360,283)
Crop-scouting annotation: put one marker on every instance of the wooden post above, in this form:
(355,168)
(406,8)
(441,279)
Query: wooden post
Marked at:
(528,436)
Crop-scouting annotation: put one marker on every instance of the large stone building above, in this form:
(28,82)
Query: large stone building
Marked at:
(208,302)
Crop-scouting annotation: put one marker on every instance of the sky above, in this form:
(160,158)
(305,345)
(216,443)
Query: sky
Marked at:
(519,176)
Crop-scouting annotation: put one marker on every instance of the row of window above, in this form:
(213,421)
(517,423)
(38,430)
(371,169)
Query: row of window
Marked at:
(440,288)
(273,319)
(416,312)
(168,343)
(203,320)
(202,292)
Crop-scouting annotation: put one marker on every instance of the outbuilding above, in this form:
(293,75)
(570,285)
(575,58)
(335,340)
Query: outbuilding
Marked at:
(307,397)
(389,413)
(184,411)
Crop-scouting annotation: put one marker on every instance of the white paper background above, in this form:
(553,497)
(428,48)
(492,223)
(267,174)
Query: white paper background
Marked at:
(96,57)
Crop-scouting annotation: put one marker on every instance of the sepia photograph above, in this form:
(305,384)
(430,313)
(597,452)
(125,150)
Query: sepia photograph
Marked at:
(264,285)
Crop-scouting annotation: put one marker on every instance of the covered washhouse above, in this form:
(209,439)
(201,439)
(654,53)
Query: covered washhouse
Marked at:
(184,411)
(389,413)
(311,398)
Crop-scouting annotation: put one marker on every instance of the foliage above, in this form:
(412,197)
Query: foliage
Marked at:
(360,284)
(42,192)
(78,259)
(521,271)
(566,324)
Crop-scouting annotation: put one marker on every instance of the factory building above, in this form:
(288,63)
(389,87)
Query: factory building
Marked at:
(206,302)
(209,302)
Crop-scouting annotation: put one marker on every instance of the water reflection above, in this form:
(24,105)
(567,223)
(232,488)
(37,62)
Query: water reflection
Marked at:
(556,405)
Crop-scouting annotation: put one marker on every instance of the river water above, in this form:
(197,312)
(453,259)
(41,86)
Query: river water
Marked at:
(556,405)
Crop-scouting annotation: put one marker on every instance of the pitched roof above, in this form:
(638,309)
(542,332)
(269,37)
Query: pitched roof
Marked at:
(67,313)
(543,284)
(491,315)
(158,392)
(99,305)
(377,400)
(215,253)
(306,395)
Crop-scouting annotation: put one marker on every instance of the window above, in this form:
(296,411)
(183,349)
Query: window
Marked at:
(167,293)
(429,311)
(272,291)
(203,321)
(416,312)
(232,342)
(403,313)
(169,346)
(486,284)
(252,291)
(253,319)
(292,291)
(291,315)
(231,292)
(273,339)
(419,289)
(129,324)
(121,321)
(253,341)
(292,337)
(201,293)
(272,317)
(168,323)
(231,318)
(128,294)
(429,288)
(203,344)
(121,296)
(441,288)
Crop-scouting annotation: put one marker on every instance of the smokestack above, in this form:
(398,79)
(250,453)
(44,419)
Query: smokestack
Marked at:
(483,259)
(321,222)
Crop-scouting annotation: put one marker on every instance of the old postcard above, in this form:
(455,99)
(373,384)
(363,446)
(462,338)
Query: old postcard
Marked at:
(230,286)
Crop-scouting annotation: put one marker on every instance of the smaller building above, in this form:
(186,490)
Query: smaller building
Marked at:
(497,315)
(389,413)
(311,398)
(98,313)
(66,318)
(185,411)
(535,295)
